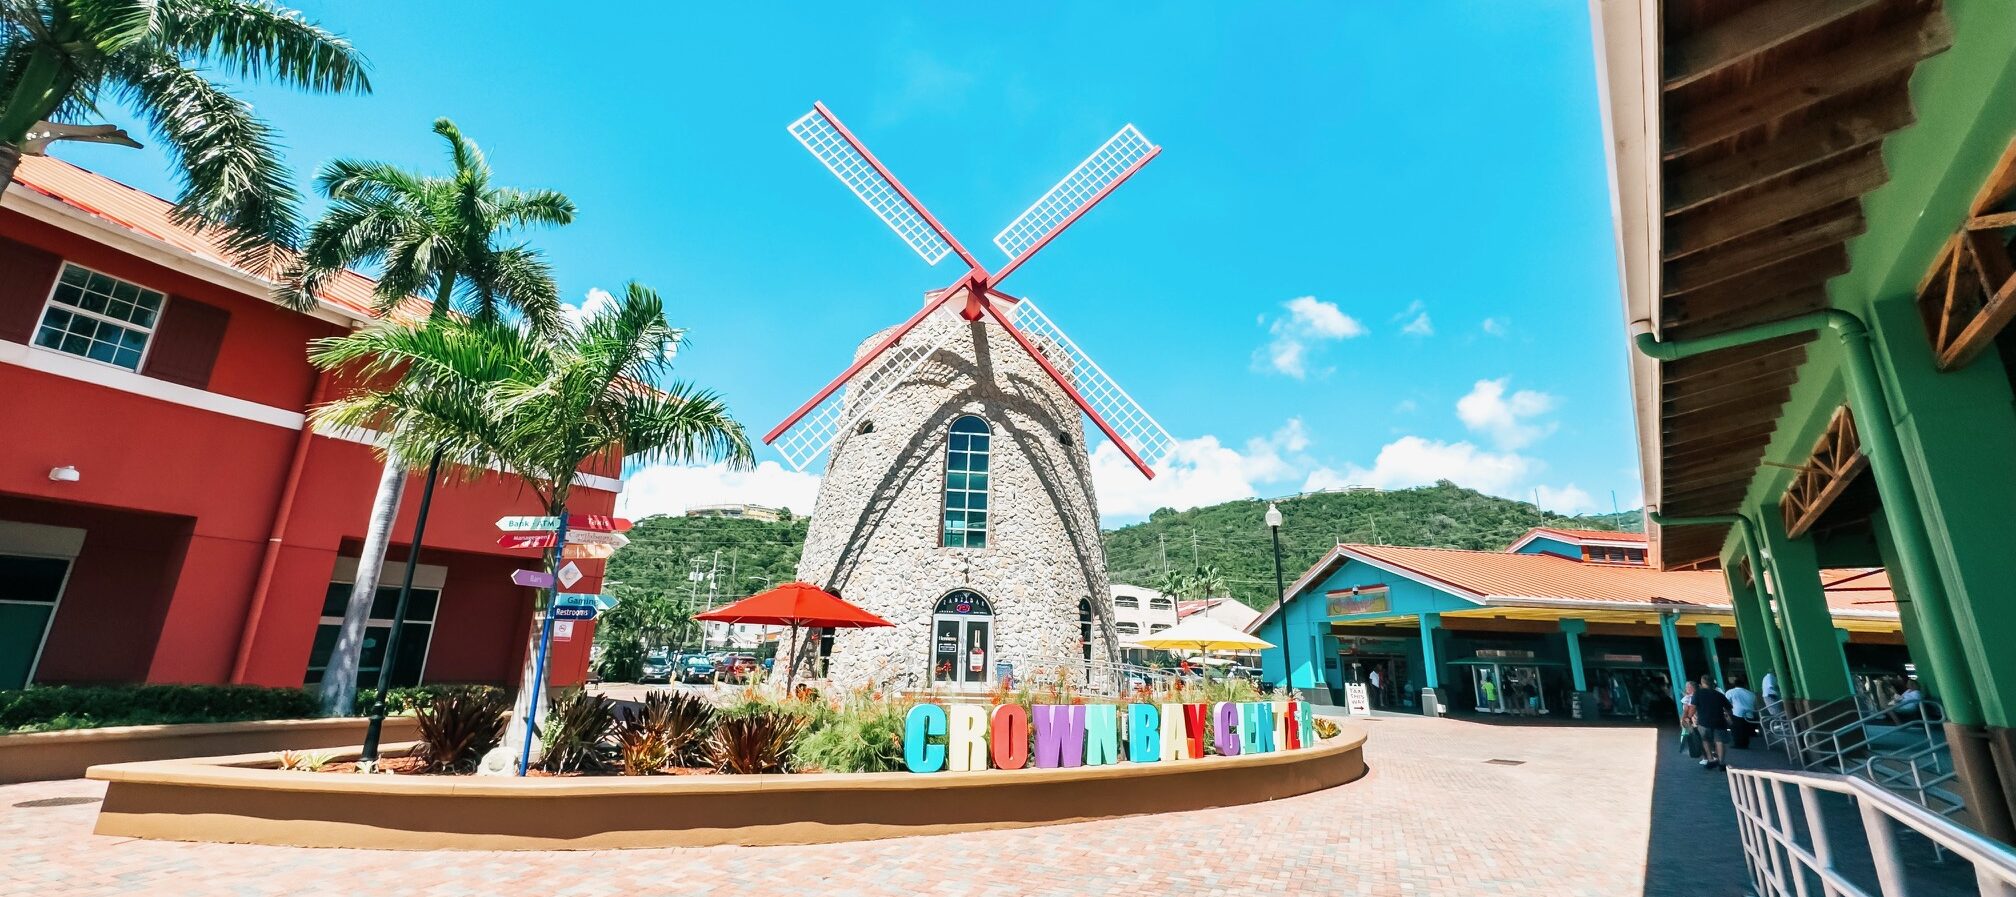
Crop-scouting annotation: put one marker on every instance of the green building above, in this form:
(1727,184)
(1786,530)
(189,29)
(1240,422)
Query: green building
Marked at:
(1815,210)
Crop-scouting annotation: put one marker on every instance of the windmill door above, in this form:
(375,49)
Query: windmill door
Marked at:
(962,641)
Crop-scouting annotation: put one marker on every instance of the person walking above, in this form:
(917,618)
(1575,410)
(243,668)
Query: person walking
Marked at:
(1742,706)
(1711,720)
(1378,689)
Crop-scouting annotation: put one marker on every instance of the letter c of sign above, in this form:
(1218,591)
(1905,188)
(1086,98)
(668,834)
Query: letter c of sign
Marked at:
(919,725)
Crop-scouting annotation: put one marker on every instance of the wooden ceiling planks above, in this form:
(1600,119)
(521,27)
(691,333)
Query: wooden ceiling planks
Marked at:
(1773,116)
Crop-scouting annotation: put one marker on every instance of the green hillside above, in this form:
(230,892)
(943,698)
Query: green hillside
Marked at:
(653,576)
(1233,537)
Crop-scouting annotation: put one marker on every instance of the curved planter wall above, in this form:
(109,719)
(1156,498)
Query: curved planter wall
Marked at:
(213,800)
(40,756)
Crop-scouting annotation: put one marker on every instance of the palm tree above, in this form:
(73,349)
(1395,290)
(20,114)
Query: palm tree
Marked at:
(1208,582)
(488,395)
(60,58)
(447,238)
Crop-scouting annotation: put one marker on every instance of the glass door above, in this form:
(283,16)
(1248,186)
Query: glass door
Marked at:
(979,650)
(945,649)
(1488,691)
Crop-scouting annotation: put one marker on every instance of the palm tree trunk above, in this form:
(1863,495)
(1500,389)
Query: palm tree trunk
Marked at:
(339,679)
(10,159)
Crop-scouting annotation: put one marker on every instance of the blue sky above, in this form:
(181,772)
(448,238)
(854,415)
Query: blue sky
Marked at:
(1375,249)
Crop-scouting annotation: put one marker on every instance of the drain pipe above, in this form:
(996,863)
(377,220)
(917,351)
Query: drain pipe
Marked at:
(1771,641)
(1877,429)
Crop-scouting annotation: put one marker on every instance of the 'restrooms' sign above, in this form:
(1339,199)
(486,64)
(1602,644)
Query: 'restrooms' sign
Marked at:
(976,737)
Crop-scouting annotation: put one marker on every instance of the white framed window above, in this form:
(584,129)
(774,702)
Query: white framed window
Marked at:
(1159,603)
(1127,601)
(966,463)
(1127,627)
(100,317)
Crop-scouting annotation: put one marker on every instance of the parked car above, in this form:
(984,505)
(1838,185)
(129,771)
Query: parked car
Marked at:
(735,667)
(657,666)
(695,669)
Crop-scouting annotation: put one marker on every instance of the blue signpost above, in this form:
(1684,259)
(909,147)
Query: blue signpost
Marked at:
(545,644)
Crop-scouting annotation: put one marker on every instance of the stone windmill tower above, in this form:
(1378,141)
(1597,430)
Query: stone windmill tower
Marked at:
(957,500)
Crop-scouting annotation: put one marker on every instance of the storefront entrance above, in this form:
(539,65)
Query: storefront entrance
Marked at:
(34,566)
(962,641)
(1506,685)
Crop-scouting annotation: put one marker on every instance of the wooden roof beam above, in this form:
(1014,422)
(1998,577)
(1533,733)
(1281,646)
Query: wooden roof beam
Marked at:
(1798,146)
(1833,224)
(1790,88)
(1774,308)
(1786,351)
(1742,393)
(1842,179)
(1744,35)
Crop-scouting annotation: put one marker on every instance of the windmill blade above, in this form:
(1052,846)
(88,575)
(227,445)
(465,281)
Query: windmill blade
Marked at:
(1112,163)
(842,410)
(1128,425)
(836,148)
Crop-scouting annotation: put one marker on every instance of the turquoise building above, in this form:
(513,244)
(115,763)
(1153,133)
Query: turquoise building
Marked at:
(1566,623)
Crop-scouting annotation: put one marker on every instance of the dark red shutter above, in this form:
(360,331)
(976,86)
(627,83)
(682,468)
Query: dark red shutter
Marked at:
(27,275)
(185,343)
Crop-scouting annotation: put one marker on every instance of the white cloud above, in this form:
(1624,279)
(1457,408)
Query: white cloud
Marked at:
(1508,420)
(1569,499)
(1416,461)
(1495,326)
(671,489)
(1309,321)
(1201,471)
(1406,406)
(1416,320)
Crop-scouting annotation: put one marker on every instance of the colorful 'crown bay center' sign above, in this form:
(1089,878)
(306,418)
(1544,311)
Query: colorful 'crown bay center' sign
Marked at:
(970,737)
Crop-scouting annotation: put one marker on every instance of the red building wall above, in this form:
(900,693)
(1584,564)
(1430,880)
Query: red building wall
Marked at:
(179,503)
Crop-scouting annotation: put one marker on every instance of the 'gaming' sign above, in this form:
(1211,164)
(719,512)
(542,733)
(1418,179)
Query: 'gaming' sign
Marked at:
(1071,735)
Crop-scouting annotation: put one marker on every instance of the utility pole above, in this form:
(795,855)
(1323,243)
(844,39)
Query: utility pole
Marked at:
(1195,564)
(1162,541)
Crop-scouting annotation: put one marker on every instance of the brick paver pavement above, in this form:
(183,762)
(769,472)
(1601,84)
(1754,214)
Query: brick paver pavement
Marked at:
(1433,817)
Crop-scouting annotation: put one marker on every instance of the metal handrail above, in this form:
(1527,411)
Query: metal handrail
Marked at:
(1774,856)
(1834,745)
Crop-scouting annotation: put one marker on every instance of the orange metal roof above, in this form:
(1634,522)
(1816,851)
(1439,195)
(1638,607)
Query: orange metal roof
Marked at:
(150,216)
(1589,534)
(1499,575)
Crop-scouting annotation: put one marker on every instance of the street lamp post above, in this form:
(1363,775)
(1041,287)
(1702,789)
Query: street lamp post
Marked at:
(1281,590)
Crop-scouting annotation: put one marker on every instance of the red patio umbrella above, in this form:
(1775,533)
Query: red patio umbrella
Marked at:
(795,604)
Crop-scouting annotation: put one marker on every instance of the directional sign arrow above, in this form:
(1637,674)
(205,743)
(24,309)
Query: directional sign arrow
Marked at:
(585,522)
(532,579)
(584,599)
(573,612)
(579,552)
(546,540)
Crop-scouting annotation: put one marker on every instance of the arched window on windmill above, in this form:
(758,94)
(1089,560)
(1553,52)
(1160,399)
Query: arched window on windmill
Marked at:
(966,472)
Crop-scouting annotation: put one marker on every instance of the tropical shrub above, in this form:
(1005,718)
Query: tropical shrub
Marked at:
(575,729)
(1327,729)
(670,726)
(408,698)
(52,707)
(868,739)
(304,761)
(757,743)
(458,728)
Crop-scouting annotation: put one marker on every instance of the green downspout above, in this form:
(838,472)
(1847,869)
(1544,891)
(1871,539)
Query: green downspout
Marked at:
(1772,641)
(1876,427)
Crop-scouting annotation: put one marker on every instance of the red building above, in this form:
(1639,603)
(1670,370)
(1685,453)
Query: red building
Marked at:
(166,514)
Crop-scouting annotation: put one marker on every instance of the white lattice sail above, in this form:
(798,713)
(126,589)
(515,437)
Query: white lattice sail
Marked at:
(814,434)
(1132,422)
(1075,191)
(831,148)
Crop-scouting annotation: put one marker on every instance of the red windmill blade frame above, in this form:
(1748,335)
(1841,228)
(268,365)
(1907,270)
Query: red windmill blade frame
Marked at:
(824,136)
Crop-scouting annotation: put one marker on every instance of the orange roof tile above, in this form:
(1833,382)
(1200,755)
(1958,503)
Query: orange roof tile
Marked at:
(1597,535)
(1502,575)
(150,216)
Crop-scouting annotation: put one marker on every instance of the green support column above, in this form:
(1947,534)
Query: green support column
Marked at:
(1758,658)
(1431,671)
(1676,669)
(1572,631)
(1817,663)
(1709,632)
(1907,613)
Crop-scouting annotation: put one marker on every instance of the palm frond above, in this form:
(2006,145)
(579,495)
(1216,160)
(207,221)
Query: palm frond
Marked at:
(262,41)
(231,170)
(113,25)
